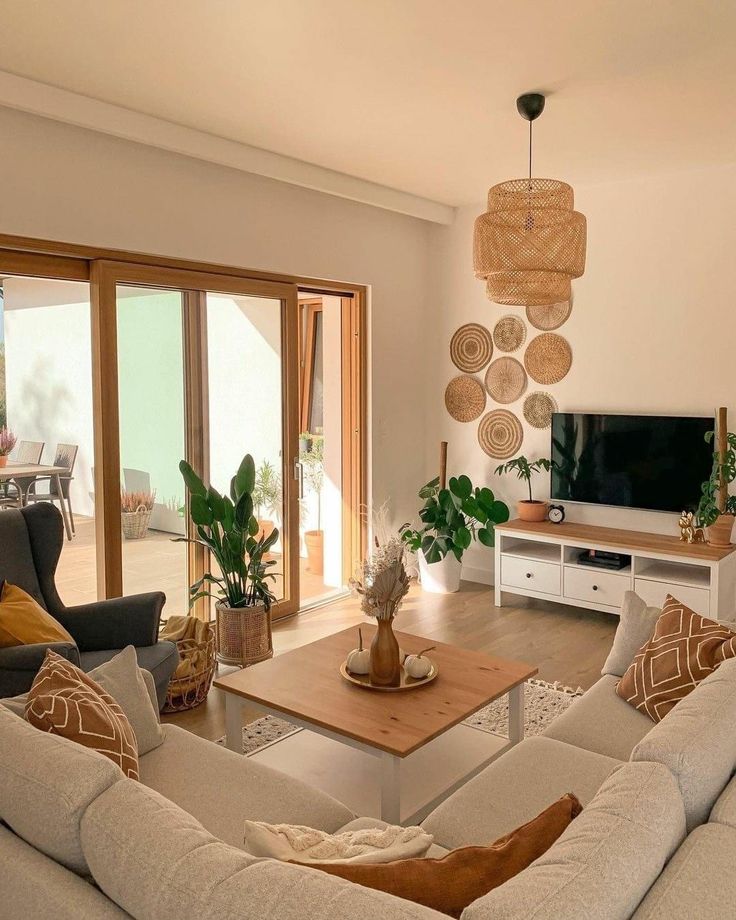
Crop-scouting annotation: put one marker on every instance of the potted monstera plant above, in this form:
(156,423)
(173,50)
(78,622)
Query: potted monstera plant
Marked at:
(716,511)
(452,519)
(227,527)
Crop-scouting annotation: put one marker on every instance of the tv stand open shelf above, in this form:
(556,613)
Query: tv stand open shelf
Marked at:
(540,560)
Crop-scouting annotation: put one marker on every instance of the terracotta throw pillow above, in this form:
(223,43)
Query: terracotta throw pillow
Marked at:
(454,881)
(23,621)
(67,702)
(684,649)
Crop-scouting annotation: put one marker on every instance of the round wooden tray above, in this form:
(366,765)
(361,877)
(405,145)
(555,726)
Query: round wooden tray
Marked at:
(407,683)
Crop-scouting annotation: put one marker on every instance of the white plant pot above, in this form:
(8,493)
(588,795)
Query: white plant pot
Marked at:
(441,577)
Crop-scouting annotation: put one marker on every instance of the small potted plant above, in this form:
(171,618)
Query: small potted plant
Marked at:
(135,511)
(453,517)
(267,497)
(529,509)
(227,527)
(7,443)
(313,466)
(715,511)
(305,442)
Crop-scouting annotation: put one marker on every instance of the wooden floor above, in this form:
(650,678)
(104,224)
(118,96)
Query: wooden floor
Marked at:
(567,644)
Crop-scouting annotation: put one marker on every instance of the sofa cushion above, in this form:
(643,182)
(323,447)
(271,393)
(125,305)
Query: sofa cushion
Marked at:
(452,882)
(23,621)
(46,783)
(684,649)
(181,767)
(65,701)
(605,862)
(635,627)
(697,742)
(156,861)
(601,721)
(357,824)
(530,775)
(699,881)
(724,811)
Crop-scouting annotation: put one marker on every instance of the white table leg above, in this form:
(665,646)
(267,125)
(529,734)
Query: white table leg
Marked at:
(516,714)
(64,512)
(233,723)
(390,788)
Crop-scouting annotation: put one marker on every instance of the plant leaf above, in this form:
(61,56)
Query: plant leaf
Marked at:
(191,480)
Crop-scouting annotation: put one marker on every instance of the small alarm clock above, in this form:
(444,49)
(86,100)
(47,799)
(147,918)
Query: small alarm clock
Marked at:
(556,514)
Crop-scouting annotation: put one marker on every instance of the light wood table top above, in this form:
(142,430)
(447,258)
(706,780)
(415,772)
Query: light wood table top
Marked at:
(23,470)
(306,683)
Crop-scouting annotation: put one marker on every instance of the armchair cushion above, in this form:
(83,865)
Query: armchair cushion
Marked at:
(160,659)
(23,621)
(20,664)
(114,623)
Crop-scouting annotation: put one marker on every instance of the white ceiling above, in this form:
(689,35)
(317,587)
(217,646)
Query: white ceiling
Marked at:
(417,95)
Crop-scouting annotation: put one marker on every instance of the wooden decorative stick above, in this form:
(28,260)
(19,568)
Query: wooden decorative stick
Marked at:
(443,464)
(722,435)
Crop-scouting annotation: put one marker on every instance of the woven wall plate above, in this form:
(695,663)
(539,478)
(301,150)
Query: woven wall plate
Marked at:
(509,333)
(465,398)
(500,434)
(506,380)
(548,358)
(538,409)
(549,316)
(471,348)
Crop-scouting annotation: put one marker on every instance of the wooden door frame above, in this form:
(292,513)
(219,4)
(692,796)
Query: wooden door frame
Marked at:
(33,257)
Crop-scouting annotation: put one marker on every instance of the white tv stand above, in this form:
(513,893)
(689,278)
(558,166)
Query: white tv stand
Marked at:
(540,560)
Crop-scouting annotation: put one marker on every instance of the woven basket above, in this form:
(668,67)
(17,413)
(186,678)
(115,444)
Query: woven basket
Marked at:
(190,691)
(135,523)
(243,634)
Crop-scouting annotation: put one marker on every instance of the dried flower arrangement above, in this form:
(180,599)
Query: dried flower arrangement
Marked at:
(136,501)
(381,581)
(7,441)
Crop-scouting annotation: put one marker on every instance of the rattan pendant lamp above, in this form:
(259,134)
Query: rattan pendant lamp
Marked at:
(530,243)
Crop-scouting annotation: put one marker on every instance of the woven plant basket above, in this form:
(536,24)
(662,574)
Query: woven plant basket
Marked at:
(190,691)
(243,634)
(135,523)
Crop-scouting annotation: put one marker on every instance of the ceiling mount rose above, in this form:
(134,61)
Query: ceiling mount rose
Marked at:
(530,242)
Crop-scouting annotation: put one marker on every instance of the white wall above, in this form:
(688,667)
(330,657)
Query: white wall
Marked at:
(652,329)
(74,185)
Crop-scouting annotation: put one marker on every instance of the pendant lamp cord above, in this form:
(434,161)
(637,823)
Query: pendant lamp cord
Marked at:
(530,154)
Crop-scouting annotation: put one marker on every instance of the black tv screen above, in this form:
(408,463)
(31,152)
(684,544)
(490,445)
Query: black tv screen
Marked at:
(657,463)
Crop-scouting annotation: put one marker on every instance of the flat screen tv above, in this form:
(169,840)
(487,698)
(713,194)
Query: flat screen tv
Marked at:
(653,462)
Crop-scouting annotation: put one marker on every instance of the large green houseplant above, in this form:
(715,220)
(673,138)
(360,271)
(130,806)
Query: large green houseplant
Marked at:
(716,513)
(452,518)
(227,528)
(529,509)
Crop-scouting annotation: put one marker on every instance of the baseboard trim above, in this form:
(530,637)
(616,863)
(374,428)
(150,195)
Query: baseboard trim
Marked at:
(480,576)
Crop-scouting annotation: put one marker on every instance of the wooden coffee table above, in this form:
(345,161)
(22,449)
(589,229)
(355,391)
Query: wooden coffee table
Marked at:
(305,688)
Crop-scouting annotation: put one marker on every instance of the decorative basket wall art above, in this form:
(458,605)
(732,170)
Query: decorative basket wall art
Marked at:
(548,358)
(509,333)
(538,409)
(471,348)
(549,317)
(465,398)
(500,434)
(506,380)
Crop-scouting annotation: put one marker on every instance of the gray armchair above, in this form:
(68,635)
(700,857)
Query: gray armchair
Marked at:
(31,540)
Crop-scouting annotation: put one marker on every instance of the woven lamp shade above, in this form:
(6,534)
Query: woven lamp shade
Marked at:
(530,242)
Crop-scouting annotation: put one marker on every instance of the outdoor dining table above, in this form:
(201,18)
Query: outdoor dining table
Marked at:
(20,471)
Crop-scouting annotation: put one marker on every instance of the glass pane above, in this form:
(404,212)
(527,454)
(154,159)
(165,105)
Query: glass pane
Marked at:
(46,400)
(152,442)
(245,403)
(320,449)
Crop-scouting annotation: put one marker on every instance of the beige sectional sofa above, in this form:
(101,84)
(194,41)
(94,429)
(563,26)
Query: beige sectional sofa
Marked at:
(655,841)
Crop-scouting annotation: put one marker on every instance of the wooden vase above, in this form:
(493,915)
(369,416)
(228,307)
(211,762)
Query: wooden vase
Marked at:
(385,668)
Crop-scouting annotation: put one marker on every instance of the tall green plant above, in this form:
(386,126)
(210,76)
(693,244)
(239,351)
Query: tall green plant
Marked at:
(453,518)
(525,470)
(226,526)
(267,490)
(723,470)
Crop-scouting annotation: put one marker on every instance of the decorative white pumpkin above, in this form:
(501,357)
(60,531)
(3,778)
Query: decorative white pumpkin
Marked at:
(417,666)
(359,660)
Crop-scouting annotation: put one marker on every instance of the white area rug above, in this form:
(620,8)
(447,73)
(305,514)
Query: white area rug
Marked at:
(543,703)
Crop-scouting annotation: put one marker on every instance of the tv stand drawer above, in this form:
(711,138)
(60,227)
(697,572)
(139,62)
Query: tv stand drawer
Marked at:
(530,575)
(596,586)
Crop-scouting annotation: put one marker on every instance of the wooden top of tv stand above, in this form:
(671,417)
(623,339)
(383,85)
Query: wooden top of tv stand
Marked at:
(628,540)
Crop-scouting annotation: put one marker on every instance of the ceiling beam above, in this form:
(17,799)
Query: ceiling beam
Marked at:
(75,109)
